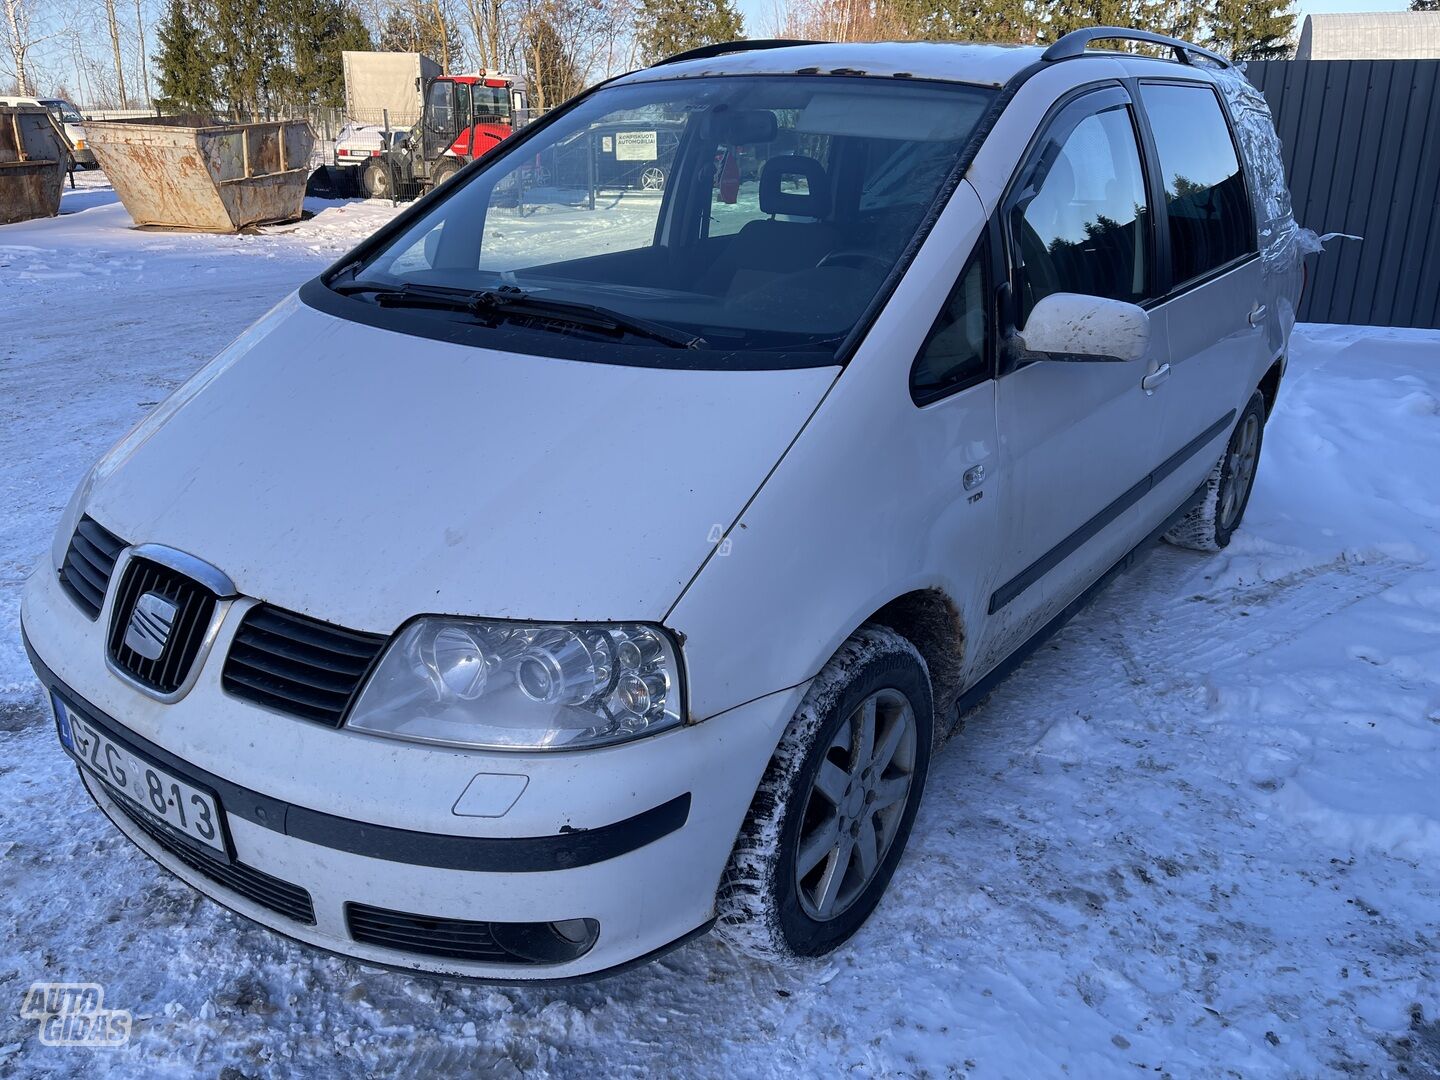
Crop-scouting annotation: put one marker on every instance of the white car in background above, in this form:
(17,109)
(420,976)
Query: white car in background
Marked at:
(564,572)
(68,120)
(358,143)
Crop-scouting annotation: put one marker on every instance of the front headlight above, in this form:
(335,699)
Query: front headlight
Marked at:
(522,686)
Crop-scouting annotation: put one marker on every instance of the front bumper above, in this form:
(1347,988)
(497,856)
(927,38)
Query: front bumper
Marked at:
(634,837)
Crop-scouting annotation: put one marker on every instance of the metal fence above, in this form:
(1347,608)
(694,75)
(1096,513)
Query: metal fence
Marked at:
(1362,154)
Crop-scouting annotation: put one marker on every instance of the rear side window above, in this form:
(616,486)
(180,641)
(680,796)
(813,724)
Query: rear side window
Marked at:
(1210,222)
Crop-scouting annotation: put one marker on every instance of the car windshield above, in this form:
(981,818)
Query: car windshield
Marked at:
(67,112)
(739,213)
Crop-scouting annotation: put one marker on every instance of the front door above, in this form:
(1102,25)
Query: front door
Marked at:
(1077,439)
(439,126)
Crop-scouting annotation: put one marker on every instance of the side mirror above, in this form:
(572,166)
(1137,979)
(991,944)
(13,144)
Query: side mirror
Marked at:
(1069,326)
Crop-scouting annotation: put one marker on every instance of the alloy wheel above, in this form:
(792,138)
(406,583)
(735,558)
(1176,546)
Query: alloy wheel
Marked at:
(856,804)
(1242,471)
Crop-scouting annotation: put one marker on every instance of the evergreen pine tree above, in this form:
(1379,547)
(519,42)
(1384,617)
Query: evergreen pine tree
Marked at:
(247,47)
(1177,18)
(186,65)
(1425,5)
(1250,29)
(316,33)
(1068,15)
(666,27)
(963,20)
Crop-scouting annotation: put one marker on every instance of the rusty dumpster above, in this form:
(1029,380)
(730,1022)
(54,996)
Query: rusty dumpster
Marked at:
(190,173)
(33,158)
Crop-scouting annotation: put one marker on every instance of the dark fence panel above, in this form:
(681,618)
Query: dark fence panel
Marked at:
(1362,152)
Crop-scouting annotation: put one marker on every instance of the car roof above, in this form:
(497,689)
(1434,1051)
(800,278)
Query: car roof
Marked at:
(985,65)
(982,65)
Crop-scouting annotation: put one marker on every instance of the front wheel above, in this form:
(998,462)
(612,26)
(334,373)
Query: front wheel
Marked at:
(445,171)
(831,818)
(1209,526)
(375,180)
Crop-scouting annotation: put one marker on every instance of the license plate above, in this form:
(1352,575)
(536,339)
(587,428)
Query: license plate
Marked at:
(186,809)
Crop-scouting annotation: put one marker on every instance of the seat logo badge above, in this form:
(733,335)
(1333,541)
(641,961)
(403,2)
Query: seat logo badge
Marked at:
(150,624)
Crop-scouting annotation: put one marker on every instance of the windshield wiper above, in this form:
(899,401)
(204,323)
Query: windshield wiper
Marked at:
(510,302)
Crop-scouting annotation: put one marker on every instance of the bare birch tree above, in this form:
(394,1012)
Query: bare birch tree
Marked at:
(114,26)
(19,42)
(490,24)
(144,60)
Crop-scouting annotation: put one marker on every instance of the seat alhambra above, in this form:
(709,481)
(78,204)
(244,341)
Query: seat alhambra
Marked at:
(578,565)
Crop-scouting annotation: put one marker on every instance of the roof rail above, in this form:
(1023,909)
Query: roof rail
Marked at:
(1075,43)
(704,52)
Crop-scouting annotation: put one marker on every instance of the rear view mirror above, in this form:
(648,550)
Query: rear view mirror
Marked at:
(742,127)
(1070,326)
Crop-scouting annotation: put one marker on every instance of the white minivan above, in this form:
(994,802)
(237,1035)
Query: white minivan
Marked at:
(68,120)
(574,567)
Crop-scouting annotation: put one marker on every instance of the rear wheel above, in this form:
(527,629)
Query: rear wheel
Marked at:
(1210,525)
(375,179)
(831,818)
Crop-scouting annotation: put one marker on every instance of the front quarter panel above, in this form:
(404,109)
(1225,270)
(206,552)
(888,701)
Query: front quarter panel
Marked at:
(865,506)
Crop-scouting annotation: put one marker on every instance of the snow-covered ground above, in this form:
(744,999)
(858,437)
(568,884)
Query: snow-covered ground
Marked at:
(1197,835)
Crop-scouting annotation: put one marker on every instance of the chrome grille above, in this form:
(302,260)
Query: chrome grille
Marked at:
(194,607)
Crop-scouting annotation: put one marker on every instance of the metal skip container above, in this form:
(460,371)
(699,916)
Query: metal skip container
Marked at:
(33,157)
(189,173)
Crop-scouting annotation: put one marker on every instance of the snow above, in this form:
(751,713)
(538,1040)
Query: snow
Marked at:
(1196,835)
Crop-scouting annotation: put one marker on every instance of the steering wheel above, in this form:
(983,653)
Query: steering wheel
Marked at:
(856,259)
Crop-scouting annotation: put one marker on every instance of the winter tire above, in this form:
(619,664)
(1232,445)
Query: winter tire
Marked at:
(831,818)
(1209,526)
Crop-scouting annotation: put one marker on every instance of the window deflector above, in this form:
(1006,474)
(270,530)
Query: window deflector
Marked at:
(1025,184)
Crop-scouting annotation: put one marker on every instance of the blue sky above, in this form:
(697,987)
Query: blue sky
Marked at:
(758,16)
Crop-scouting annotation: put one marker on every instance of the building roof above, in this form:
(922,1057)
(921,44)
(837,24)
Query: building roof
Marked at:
(1370,35)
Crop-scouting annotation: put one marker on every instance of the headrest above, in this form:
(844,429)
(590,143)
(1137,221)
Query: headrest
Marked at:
(814,203)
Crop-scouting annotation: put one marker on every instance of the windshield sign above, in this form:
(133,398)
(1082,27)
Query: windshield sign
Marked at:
(745,214)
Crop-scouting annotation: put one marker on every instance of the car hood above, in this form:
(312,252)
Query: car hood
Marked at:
(363,476)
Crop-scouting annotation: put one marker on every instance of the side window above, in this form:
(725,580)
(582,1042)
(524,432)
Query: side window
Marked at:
(1204,189)
(1082,223)
(954,353)
(462,106)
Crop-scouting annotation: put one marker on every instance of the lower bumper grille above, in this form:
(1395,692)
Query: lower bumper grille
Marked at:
(477,942)
(261,888)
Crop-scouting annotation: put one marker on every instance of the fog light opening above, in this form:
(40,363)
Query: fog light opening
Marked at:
(547,943)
